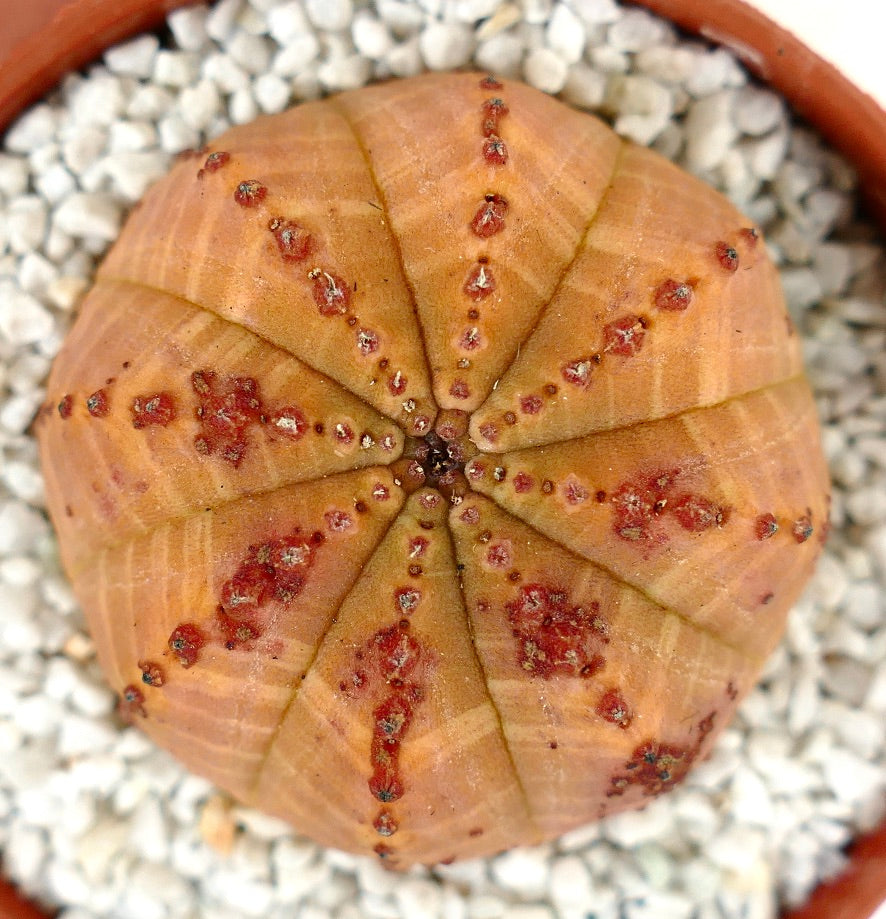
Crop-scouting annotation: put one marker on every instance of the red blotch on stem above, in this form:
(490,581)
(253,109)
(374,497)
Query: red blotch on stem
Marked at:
(802,528)
(493,111)
(613,708)
(697,513)
(495,151)
(132,703)
(765,526)
(185,643)
(727,256)
(480,283)
(293,241)
(156,409)
(214,162)
(97,404)
(624,336)
(250,193)
(152,673)
(490,216)
(673,295)
(331,294)
(554,636)
(289,421)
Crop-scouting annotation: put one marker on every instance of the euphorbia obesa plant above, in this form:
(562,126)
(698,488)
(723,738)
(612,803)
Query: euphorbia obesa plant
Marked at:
(435,468)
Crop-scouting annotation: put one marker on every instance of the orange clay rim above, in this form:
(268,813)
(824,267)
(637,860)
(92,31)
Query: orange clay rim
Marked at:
(41,40)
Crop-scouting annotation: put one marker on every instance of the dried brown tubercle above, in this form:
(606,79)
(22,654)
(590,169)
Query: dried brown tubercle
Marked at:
(443,495)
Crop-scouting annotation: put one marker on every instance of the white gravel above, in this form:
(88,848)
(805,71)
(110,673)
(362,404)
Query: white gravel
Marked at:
(96,821)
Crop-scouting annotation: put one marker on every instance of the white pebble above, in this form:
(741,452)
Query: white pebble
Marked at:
(296,56)
(710,72)
(21,527)
(418,898)
(757,111)
(96,215)
(176,68)
(99,772)
(631,828)
(80,735)
(636,30)
(865,605)
(38,716)
(330,15)
(522,870)
(751,801)
(199,104)
(35,274)
(23,319)
(287,22)
(253,21)
(851,778)
(19,571)
(565,34)
(149,102)
(445,46)
(609,60)
(867,506)
(251,52)
(13,175)
(545,70)
(67,883)
(131,136)
(222,19)
(875,699)
(501,54)
(671,65)
(98,846)
(271,93)
(471,11)
(766,155)
(709,131)
(176,135)
(370,35)
(242,107)
(26,223)
(100,100)
(737,848)
(55,183)
(245,896)
(24,853)
(344,73)
(133,173)
(149,830)
(33,129)
(133,58)
(188,26)
(225,72)
(65,292)
(17,412)
(570,882)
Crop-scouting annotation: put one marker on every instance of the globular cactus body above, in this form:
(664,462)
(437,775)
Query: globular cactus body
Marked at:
(436,469)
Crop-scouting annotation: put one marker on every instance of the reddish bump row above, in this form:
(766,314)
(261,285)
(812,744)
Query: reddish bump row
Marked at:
(490,216)
(155,409)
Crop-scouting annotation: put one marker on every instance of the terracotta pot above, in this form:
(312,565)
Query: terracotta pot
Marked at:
(40,40)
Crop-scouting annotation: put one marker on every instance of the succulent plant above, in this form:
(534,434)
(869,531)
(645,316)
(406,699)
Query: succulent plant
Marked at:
(436,469)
